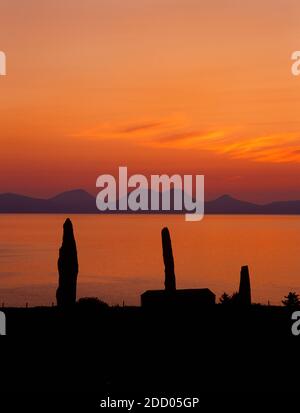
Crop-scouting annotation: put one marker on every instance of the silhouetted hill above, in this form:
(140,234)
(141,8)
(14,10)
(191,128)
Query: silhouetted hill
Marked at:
(76,201)
(13,203)
(283,207)
(81,202)
(227,205)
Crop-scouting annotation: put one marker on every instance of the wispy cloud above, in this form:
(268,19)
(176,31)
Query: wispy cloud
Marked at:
(176,133)
(275,148)
(142,130)
(141,127)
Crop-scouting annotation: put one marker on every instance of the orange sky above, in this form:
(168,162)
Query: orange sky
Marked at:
(175,86)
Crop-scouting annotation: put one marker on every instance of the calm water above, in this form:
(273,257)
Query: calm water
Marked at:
(120,256)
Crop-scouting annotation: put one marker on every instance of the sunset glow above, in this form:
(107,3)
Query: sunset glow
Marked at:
(164,86)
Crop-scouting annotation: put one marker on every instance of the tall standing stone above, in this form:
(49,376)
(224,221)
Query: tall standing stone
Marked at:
(245,289)
(170,281)
(67,268)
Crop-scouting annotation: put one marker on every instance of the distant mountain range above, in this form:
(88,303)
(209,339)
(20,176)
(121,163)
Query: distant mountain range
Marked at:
(81,202)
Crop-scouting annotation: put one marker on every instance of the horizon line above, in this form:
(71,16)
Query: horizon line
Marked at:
(224,196)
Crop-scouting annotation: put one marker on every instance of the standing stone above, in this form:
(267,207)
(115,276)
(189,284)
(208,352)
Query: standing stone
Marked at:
(67,268)
(245,289)
(170,281)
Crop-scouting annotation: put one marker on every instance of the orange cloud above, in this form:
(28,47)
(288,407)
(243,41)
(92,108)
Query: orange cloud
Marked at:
(140,130)
(175,133)
(274,148)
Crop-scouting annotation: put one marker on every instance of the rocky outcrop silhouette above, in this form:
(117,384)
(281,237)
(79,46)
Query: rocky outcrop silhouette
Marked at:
(170,280)
(67,268)
(245,289)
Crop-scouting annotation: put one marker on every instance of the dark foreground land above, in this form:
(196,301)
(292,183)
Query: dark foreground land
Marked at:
(178,344)
(128,350)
